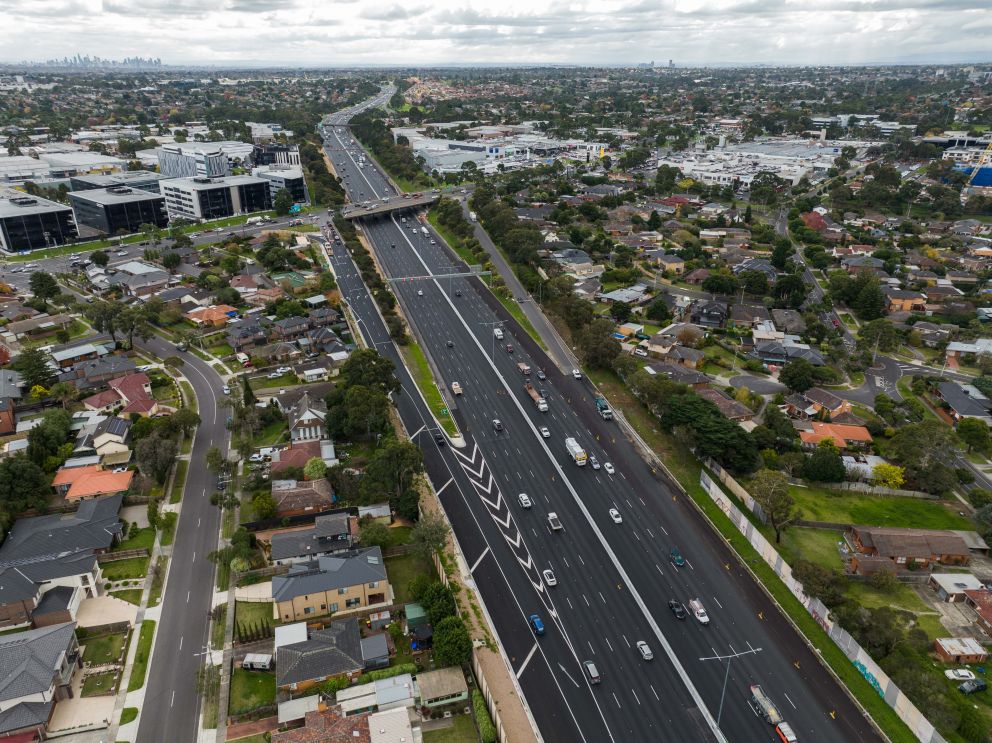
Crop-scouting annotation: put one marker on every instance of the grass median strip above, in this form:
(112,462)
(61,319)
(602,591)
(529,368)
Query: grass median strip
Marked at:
(179,481)
(421,371)
(141,655)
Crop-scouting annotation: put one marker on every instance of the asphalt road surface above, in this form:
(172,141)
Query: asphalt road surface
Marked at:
(170,711)
(614,581)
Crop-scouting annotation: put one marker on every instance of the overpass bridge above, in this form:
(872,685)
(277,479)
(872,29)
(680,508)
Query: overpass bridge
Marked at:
(382,207)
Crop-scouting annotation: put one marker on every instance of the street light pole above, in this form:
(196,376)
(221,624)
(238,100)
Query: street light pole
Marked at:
(729,658)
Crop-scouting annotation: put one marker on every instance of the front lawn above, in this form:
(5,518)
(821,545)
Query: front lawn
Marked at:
(104,648)
(135,567)
(142,655)
(100,684)
(131,595)
(873,510)
(248,613)
(402,570)
(462,730)
(251,690)
(137,539)
(272,434)
(283,380)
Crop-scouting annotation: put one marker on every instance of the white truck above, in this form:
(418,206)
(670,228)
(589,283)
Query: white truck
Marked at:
(498,332)
(553,522)
(539,402)
(576,452)
(456,388)
(473,217)
(424,230)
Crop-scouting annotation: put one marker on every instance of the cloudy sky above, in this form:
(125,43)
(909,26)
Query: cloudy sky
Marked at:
(317,33)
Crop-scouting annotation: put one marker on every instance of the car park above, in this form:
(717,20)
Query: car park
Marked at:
(676,557)
(545,432)
(975,685)
(524,500)
(645,650)
(678,609)
(610,469)
(615,515)
(536,624)
(549,577)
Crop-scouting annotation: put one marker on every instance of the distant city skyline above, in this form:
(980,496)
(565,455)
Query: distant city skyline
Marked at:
(308,33)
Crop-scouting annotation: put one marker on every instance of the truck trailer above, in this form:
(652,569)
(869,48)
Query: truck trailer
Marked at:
(539,402)
(576,452)
(603,408)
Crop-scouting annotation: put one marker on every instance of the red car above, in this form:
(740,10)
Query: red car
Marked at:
(836,322)
(509,348)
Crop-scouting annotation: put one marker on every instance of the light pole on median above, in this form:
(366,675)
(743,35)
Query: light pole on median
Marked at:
(729,658)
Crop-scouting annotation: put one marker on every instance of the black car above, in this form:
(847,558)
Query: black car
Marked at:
(458,292)
(439,438)
(677,609)
(450,344)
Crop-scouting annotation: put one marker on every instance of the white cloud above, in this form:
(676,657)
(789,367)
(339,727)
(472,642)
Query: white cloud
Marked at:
(356,32)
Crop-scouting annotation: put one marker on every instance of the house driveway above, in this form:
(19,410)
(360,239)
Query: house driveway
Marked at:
(81,712)
(101,610)
(254,592)
(135,515)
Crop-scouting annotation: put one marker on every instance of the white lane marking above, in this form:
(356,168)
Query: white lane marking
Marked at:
(568,676)
(718,602)
(527,660)
(635,697)
(689,564)
(445,485)
(654,692)
(181,642)
(790,701)
(187,597)
(173,698)
(641,500)
(569,602)
(581,560)
(659,569)
(586,600)
(626,640)
(566,562)
(650,533)
(601,596)
(484,553)
(663,529)
(608,644)
(591,648)
(616,700)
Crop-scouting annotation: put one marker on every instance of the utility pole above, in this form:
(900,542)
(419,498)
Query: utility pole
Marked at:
(493,325)
(732,656)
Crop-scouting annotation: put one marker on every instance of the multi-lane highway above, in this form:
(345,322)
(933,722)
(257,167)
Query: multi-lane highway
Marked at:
(614,581)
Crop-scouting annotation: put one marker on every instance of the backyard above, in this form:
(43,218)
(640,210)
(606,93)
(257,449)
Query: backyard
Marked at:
(402,570)
(250,613)
(251,690)
(462,730)
(100,684)
(872,510)
(104,648)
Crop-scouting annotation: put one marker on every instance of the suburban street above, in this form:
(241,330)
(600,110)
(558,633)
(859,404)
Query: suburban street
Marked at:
(170,711)
(614,580)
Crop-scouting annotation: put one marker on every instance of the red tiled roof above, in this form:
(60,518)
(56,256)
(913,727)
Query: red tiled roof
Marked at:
(102,399)
(92,484)
(328,727)
(839,433)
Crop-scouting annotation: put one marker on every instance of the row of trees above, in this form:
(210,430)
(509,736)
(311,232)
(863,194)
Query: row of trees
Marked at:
(396,157)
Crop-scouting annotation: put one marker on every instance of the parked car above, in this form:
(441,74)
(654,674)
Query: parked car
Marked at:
(273,375)
(283,370)
(959,674)
(973,686)
(226,390)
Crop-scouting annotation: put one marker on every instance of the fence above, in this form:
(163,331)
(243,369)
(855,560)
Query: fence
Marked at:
(922,728)
(737,489)
(122,555)
(862,487)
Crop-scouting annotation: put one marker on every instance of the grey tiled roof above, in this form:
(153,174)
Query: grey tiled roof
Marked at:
(328,652)
(30,659)
(24,715)
(330,573)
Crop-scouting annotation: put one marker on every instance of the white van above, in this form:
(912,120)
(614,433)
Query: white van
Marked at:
(498,332)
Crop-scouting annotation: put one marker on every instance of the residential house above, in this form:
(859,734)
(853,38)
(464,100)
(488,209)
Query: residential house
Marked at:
(306,419)
(710,313)
(931,334)
(245,337)
(576,262)
(842,436)
(340,583)
(214,316)
(8,418)
(981,601)
(324,316)
(903,300)
(942,293)
(295,497)
(87,375)
(331,533)
(817,401)
(682,375)
(958,350)
(635,294)
(244,285)
(52,551)
(112,436)
(443,688)
(749,315)
(668,262)
(131,393)
(784,351)
(921,547)
(690,358)
(41,326)
(68,356)
(327,725)
(290,328)
(761,265)
(960,650)
(855,264)
(728,406)
(38,668)
(322,654)
(278,352)
(325,340)
(952,587)
(697,276)
(90,481)
(11,384)
(965,401)
(298,453)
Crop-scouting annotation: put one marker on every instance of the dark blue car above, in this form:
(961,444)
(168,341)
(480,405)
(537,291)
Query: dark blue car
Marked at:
(536,624)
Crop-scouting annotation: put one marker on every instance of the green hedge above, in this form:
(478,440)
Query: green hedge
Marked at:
(487,730)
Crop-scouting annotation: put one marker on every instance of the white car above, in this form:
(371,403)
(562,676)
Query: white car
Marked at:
(960,674)
(644,650)
(576,373)
(420,292)
(545,432)
(610,469)
(283,370)
(524,500)
(615,515)
(121,253)
(273,375)
(226,390)
(595,463)
(549,578)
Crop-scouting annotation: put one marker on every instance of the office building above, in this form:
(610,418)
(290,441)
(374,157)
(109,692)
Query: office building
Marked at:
(215,198)
(118,209)
(266,132)
(31,222)
(177,161)
(284,176)
(276,154)
(144,180)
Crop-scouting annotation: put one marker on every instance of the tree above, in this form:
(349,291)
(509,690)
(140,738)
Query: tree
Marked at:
(100,258)
(720,283)
(798,375)
(771,491)
(429,535)
(103,316)
(870,302)
(621,312)
(314,469)
(392,469)
(64,392)
(133,321)
(185,420)
(171,261)
(368,367)
(32,365)
(438,602)
(658,312)
(215,460)
(374,533)
(283,202)
(155,455)
(974,432)
(596,344)
(888,475)
(247,393)
(23,485)
(825,464)
(880,332)
(823,583)
(43,285)
(451,644)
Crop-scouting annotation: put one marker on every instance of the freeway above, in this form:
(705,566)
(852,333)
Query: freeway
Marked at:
(171,703)
(614,580)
